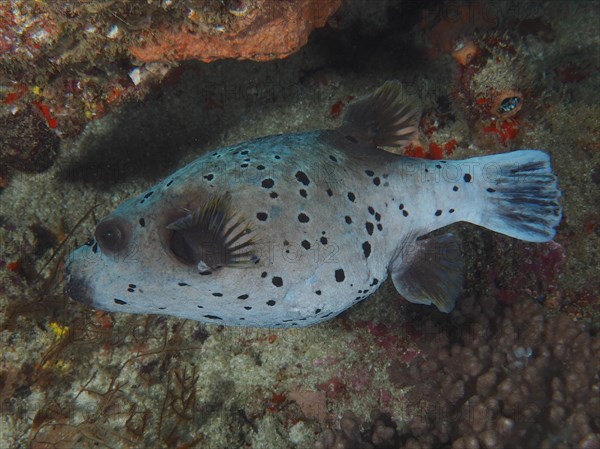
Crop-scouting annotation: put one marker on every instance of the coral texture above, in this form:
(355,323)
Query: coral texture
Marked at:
(269,30)
(502,378)
(499,378)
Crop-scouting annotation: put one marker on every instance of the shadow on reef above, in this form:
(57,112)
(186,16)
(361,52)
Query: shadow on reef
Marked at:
(198,101)
(147,140)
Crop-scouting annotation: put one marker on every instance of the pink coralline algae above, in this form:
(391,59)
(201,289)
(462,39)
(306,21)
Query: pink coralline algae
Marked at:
(526,269)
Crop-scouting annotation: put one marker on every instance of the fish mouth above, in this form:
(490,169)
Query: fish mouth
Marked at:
(78,288)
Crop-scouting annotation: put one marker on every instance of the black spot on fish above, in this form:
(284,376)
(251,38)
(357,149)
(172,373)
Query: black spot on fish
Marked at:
(277,156)
(245,152)
(369,226)
(376,181)
(351,196)
(273,195)
(324,240)
(317,311)
(438,213)
(244,165)
(277,281)
(438,166)
(377,216)
(132,286)
(218,295)
(333,158)
(379,227)
(348,219)
(451,211)
(489,189)
(401,206)
(130,290)
(262,216)
(318,292)
(375,282)
(119,301)
(248,307)
(329,192)
(305,244)
(370,172)
(366,246)
(267,183)
(200,307)
(205,273)
(260,167)
(303,193)
(303,218)
(209,177)
(301,177)
(169,183)
(149,194)
(339,275)
(371,210)
(213,317)
(182,284)
(243,297)
(467,177)
(142,222)
(405,213)
(271,303)
(455,188)
(263,274)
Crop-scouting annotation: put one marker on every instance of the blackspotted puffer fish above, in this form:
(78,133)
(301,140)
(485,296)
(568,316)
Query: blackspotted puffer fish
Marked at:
(291,230)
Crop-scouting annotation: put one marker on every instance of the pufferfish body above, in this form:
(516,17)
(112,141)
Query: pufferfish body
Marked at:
(291,230)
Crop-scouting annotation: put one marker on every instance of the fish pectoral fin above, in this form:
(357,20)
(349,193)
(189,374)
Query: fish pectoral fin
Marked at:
(430,271)
(213,236)
(387,118)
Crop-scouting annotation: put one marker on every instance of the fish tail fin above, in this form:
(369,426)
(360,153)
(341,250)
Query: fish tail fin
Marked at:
(386,117)
(519,194)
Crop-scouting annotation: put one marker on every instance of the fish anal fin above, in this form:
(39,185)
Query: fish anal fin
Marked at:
(430,271)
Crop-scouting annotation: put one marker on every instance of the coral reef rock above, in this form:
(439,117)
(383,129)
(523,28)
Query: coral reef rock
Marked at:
(503,377)
(27,144)
(380,435)
(263,30)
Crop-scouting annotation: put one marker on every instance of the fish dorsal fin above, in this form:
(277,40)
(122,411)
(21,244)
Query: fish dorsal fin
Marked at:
(384,118)
(430,271)
(213,236)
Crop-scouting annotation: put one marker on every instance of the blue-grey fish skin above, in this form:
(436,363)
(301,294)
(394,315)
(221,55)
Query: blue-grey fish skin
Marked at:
(327,214)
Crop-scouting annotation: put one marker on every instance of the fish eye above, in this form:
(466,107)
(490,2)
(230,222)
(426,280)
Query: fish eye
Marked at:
(112,235)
